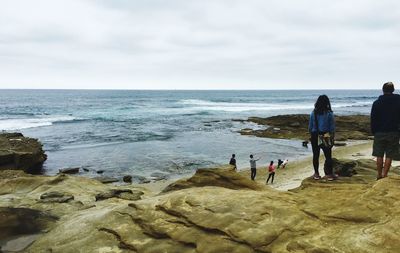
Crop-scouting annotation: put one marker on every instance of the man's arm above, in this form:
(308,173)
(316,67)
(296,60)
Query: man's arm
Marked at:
(374,115)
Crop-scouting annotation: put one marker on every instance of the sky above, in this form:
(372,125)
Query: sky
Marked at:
(191,44)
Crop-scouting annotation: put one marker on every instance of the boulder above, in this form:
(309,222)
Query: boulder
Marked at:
(221,177)
(69,171)
(106,180)
(127,179)
(19,152)
(344,168)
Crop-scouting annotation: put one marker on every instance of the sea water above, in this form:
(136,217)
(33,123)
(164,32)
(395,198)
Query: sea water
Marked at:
(175,132)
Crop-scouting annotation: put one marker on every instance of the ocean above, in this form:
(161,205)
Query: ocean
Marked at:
(131,132)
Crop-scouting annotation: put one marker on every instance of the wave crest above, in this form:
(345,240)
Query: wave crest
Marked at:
(24,123)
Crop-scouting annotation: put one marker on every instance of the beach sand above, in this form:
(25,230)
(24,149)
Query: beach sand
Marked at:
(295,172)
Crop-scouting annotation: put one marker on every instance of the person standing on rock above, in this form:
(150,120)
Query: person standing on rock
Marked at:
(253,167)
(322,126)
(233,162)
(271,170)
(385,120)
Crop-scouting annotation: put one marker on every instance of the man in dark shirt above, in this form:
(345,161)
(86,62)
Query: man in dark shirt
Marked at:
(233,162)
(385,120)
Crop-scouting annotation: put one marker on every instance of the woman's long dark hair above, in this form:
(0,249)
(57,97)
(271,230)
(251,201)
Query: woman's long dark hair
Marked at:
(322,105)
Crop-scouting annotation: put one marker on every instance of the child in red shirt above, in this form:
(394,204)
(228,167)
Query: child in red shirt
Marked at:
(271,170)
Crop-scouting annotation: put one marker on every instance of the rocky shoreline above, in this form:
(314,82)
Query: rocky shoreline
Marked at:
(216,210)
(354,127)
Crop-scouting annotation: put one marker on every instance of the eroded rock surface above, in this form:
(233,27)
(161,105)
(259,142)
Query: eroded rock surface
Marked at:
(221,177)
(217,211)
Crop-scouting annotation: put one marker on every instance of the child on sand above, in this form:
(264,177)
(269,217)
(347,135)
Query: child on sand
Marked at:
(253,167)
(271,170)
(285,163)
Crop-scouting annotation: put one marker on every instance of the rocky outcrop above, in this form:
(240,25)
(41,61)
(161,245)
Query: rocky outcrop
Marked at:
(216,210)
(19,152)
(221,177)
(126,194)
(356,127)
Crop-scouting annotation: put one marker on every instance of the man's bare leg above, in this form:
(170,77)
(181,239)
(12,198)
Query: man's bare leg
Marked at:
(379,166)
(386,168)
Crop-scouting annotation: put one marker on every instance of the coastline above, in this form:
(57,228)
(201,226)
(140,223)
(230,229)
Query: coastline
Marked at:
(298,170)
(215,204)
(294,173)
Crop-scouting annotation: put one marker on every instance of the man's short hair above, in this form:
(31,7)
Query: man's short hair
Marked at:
(388,87)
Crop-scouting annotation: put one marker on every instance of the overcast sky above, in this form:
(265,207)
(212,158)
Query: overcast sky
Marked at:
(202,44)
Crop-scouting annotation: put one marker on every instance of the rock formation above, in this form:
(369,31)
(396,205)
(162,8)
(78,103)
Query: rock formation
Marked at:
(217,210)
(296,127)
(19,152)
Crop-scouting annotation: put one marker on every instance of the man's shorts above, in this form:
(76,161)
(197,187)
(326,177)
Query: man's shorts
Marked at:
(386,143)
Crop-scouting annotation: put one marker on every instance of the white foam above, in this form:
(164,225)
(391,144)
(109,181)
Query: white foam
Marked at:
(18,124)
(196,104)
(240,107)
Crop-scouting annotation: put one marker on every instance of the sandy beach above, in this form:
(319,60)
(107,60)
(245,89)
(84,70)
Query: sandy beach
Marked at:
(294,173)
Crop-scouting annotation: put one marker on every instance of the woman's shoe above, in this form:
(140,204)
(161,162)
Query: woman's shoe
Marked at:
(316,177)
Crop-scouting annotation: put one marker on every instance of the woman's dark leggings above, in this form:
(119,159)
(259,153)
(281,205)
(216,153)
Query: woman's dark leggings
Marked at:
(271,175)
(253,173)
(316,151)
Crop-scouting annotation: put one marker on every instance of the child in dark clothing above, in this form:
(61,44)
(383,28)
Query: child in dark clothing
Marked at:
(233,162)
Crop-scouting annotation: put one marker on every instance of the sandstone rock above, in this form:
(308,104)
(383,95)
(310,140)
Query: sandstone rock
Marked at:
(69,170)
(19,152)
(127,179)
(214,211)
(19,221)
(56,197)
(226,178)
(106,180)
(120,193)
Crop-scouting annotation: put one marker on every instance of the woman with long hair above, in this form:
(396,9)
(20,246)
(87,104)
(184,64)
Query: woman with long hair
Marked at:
(322,131)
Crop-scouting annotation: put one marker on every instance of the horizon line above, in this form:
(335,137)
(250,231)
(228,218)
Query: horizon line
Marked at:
(113,89)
